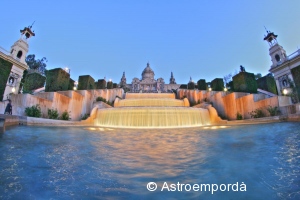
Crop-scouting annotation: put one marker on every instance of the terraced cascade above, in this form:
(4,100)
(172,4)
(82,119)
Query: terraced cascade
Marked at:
(151,110)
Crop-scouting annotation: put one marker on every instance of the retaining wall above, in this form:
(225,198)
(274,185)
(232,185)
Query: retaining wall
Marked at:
(77,103)
(229,104)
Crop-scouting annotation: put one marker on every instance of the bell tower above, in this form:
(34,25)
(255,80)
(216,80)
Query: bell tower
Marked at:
(20,48)
(277,53)
(16,56)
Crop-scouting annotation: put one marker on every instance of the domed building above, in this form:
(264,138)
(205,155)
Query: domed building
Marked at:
(148,82)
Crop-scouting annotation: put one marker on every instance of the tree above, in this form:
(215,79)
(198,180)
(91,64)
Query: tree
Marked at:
(38,65)
(257,76)
(227,79)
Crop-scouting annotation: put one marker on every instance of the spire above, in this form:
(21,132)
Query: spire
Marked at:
(270,38)
(172,79)
(27,32)
(123,80)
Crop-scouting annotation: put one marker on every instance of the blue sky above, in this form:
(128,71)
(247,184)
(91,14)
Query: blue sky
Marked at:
(202,39)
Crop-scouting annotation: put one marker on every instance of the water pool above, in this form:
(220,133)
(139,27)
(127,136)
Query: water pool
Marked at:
(103,163)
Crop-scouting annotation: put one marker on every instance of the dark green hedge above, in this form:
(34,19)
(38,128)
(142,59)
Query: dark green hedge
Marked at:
(109,85)
(5,68)
(86,83)
(71,84)
(230,86)
(296,76)
(57,80)
(101,84)
(245,82)
(191,85)
(201,84)
(267,83)
(33,81)
(217,84)
(183,86)
(115,85)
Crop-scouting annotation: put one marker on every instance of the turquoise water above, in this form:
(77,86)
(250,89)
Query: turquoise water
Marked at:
(102,163)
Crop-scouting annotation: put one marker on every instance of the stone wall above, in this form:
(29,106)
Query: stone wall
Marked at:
(2,106)
(229,104)
(78,103)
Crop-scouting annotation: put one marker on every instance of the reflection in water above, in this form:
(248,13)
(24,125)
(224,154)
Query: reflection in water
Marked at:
(109,163)
(147,150)
(288,170)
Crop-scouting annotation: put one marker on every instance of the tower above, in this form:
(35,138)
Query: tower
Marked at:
(277,53)
(20,48)
(16,58)
(172,79)
(123,80)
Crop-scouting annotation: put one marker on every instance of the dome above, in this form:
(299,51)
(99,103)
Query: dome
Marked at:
(148,73)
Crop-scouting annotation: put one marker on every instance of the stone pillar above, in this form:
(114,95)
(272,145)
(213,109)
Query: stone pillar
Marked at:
(278,86)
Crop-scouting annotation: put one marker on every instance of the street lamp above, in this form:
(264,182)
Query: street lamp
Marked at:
(284,91)
(209,89)
(225,89)
(13,90)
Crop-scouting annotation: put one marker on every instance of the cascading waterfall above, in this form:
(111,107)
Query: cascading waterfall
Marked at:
(151,102)
(151,110)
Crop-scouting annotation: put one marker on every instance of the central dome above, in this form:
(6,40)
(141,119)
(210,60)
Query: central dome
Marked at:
(148,73)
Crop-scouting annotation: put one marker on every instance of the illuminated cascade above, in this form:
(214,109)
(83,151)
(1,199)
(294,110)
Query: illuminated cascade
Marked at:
(149,95)
(152,117)
(151,110)
(153,102)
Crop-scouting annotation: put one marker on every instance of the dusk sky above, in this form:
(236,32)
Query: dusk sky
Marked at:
(202,39)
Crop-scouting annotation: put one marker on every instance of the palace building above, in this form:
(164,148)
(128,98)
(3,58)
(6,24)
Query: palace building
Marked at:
(286,69)
(148,83)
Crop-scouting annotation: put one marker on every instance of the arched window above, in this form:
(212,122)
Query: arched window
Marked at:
(19,55)
(277,57)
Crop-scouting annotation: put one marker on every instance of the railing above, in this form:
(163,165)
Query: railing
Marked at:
(293,55)
(4,51)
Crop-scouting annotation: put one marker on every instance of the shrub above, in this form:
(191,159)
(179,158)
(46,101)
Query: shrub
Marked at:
(267,83)
(57,80)
(101,84)
(217,84)
(5,68)
(109,85)
(273,110)
(191,85)
(201,84)
(53,114)
(258,113)
(244,82)
(65,115)
(86,82)
(101,99)
(184,96)
(239,116)
(33,81)
(85,116)
(33,111)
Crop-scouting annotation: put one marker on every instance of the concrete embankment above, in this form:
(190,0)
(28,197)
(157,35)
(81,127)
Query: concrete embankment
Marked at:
(10,120)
